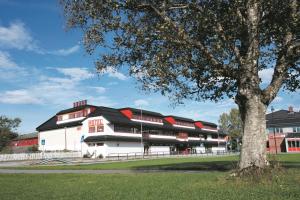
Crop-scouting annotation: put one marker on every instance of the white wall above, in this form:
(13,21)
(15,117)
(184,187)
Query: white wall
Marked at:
(221,148)
(55,139)
(200,149)
(123,147)
(157,149)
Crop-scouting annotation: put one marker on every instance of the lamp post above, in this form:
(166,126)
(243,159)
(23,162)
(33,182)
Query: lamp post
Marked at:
(218,141)
(65,138)
(142,146)
(272,110)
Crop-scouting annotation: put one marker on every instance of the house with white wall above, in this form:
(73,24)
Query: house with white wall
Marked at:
(101,131)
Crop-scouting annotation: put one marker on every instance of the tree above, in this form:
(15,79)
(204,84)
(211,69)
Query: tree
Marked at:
(231,124)
(8,130)
(198,49)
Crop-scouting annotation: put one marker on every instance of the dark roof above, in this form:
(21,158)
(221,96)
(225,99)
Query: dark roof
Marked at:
(111,114)
(74,109)
(208,123)
(283,118)
(146,112)
(27,136)
(181,118)
(51,124)
(116,117)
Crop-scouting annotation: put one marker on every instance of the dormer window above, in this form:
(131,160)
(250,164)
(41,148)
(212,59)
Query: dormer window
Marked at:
(147,118)
(76,114)
(59,118)
(181,123)
(71,115)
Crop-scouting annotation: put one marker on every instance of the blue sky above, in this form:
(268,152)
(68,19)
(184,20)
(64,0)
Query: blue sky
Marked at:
(44,68)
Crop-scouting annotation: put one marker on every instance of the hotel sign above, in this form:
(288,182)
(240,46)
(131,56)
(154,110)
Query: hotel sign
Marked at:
(95,122)
(96,125)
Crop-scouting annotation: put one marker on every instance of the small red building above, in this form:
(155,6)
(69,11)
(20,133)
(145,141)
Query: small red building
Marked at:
(23,142)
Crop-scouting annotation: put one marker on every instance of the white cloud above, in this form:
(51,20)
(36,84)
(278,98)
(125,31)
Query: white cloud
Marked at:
(5,61)
(76,73)
(99,90)
(60,91)
(266,75)
(16,36)
(18,97)
(111,72)
(112,83)
(141,103)
(10,70)
(66,52)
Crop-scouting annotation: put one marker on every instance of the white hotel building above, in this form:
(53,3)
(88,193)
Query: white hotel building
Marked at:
(102,131)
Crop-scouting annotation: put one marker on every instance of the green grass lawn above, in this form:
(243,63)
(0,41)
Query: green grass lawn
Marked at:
(222,163)
(209,185)
(188,163)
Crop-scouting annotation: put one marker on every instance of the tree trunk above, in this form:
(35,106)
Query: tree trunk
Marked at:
(253,152)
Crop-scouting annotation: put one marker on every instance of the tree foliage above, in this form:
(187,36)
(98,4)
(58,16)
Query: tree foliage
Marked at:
(8,128)
(200,49)
(193,49)
(231,123)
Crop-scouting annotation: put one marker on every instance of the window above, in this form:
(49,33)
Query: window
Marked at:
(270,130)
(91,144)
(96,125)
(99,144)
(100,128)
(188,124)
(147,118)
(79,114)
(296,129)
(71,115)
(59,118)
(278,130)
(92,129)
(210,127)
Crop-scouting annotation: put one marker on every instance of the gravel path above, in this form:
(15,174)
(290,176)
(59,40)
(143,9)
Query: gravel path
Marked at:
(116,171)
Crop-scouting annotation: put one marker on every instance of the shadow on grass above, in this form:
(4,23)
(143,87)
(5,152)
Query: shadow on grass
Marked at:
(221,166)
(290,165)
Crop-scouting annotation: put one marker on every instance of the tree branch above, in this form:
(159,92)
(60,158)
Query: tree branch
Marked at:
(183,36)
(235,50)
(286,59)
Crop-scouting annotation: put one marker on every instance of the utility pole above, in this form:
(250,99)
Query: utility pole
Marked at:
(65,138)
(218,140)
(142,146)
(272,109)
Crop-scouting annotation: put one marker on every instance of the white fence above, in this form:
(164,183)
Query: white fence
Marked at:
(139,155)
(37,156)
